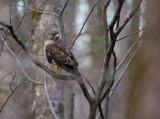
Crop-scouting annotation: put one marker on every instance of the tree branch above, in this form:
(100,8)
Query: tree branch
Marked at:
(84,23)
(26,50)
(130,34)
(128,18)
(12,92)
(23,15)
(123,72)
(46,69)
(19,63)
(64,7)
(48,98)
(106,29)
(127,54)
(117,13)
(79,79)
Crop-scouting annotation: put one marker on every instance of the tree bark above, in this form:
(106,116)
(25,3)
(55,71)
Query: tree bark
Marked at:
(92,112)
(145,101)
(134,26)
(41,25)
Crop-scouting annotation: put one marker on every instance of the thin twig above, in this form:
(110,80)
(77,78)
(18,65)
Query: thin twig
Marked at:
(23,15)
(127,54)
(127,19)
(130,34)
(21,65)
(84,23)
(10,86)
(12,92)
(112,78)
(64,7)
(10,19)
(123,72)
(7,74)
(37,10)
(115,64)
(48,98)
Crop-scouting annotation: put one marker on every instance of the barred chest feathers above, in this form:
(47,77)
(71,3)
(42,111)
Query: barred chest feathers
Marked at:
(47,42)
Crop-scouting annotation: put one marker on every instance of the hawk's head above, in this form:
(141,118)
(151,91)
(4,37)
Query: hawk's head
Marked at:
(55,36)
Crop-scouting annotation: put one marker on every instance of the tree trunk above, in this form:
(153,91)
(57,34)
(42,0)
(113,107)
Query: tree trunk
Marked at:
(92,112)
(41,25)
(134,26)
(147,67)
(69,101)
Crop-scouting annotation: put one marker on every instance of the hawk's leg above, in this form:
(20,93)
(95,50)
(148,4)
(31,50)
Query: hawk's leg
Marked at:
(60,69)
(56,71)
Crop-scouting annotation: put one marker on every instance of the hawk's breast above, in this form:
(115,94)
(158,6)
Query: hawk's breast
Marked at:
(60,54)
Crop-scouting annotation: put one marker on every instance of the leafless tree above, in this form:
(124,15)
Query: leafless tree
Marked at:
(51,17)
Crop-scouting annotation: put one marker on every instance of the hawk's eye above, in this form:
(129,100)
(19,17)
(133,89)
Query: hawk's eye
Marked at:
(57,35)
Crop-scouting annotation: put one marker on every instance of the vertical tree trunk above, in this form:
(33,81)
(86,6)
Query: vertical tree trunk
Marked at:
(145,103)
(41,25)
(69,101)
(92,112)
(134,26)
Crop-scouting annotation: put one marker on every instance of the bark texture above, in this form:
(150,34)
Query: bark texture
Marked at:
(42,24)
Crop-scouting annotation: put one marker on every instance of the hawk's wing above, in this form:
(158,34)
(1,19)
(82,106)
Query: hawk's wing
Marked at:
(59,53)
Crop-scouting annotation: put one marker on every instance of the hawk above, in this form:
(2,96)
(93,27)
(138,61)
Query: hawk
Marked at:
(57,52)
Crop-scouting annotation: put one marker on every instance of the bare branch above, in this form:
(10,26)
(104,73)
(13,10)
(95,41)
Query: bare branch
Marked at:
(81,84)
(7,74)
(123,72)
(128,18)
(32,9)
(130,34)
(10,19)
(64,8)
(106,29)
(112,78)
(26,50)
(115,64)
(20,64)
(10,86)
(117,13)
(23,16)
(48,98)
(99,106)
(127,54)
(46,69)
(108,52)
(84,23)
(12,92)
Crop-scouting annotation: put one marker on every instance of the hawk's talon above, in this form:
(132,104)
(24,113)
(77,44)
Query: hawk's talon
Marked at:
(56,71)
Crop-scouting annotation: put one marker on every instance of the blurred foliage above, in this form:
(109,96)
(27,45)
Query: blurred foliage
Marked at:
(34,14)
(92,30)
(96,41)
(97,50)
(23,79)
(23,38)
(4,90)
(66,13)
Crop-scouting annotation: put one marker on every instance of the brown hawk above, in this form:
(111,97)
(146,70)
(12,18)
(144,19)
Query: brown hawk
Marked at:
(57,52)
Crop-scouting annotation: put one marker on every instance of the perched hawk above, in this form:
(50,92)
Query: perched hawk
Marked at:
(57,52)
